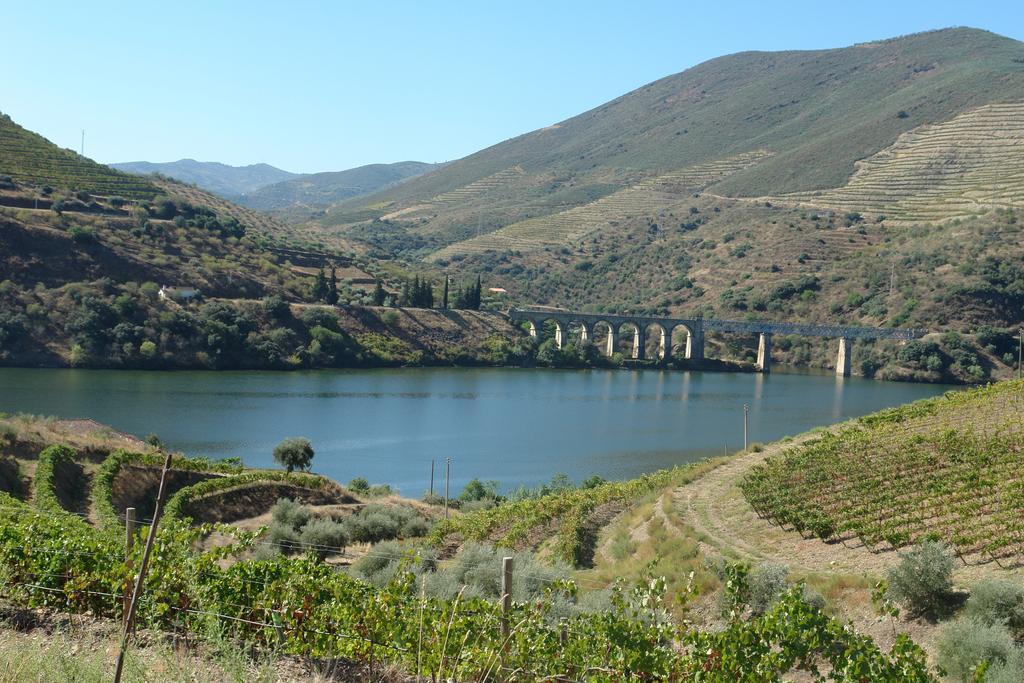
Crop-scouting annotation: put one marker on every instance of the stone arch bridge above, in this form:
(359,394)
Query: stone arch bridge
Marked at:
(667,329)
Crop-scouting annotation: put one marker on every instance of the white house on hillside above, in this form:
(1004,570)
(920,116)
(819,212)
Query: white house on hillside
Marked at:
(178,293)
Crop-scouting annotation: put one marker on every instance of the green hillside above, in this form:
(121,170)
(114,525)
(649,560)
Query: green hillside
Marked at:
(817,111)
(32,159)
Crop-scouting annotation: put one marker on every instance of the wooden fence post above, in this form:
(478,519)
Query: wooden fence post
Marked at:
(506,594)
(129,544)
(141,576)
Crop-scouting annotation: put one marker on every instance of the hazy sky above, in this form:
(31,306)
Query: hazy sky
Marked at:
(316,86)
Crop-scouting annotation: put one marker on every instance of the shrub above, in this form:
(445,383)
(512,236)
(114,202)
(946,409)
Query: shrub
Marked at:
(376,523)
(81,235)
(478,568)
(282,538)
(966,643)
(359,485)
(765,584)
(924,577)
(290,514)
(997,601)
(381,564)
(322,537)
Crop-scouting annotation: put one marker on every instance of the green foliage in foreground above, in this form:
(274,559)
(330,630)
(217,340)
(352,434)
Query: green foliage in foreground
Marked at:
(303,606)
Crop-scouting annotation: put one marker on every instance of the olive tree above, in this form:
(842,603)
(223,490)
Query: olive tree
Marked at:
(294,453)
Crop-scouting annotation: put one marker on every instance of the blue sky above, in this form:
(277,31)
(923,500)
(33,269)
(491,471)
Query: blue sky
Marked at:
(316,86)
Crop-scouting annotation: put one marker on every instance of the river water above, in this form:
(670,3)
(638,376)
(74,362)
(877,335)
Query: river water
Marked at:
(515,426)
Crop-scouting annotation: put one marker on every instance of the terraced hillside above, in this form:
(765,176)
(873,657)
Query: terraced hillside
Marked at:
(969,165)
(563,228)
(32,159)
(946,468)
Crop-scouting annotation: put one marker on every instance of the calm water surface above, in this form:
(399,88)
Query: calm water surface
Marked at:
(511,425)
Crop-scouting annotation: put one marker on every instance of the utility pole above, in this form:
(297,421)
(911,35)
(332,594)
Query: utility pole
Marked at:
(1020,351)
(431,477)
(892,278)
(447,472)
(746,413)
(83,142)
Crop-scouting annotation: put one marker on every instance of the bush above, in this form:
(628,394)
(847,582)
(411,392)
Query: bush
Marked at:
(359,485)
(290,514)
(81,235)
(997,601)
(376,523)
(282,538)
(765,584)
(966,643)
(923,579)
(381,564)
(322,537)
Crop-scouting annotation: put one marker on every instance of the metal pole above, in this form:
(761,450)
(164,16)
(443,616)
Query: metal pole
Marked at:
(447,471)
(141,577)
(431,477)
(506,594)
(1020,351)
(129,543)
(746,413)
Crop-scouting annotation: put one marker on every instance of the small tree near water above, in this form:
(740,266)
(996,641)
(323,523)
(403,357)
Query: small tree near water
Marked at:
(294,453)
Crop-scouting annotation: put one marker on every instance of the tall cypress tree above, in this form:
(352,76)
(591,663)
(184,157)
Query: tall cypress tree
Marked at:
(477,294)
(379,295)
(444,300)
(319,291)
(332,287)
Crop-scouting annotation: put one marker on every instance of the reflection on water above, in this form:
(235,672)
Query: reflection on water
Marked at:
(513,426)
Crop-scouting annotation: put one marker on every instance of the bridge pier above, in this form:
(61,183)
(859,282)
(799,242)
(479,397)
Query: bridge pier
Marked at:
(639,343)
(665,352)
(844,358)
(611,344)
(535,330)
(561,335)
(764,352)
(586,332)
(695,345)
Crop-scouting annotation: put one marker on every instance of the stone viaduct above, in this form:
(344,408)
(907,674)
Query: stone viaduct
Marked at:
(695,328)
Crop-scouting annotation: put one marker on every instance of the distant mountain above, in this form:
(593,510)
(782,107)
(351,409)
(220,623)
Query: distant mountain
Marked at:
(319,190)
(221,179)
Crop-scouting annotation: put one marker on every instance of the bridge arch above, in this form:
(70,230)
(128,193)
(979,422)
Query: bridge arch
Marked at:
(605,336)
(629,329)
(659,338)
(682,340)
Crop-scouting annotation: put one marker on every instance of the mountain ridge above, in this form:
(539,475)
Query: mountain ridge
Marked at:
(222,179)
